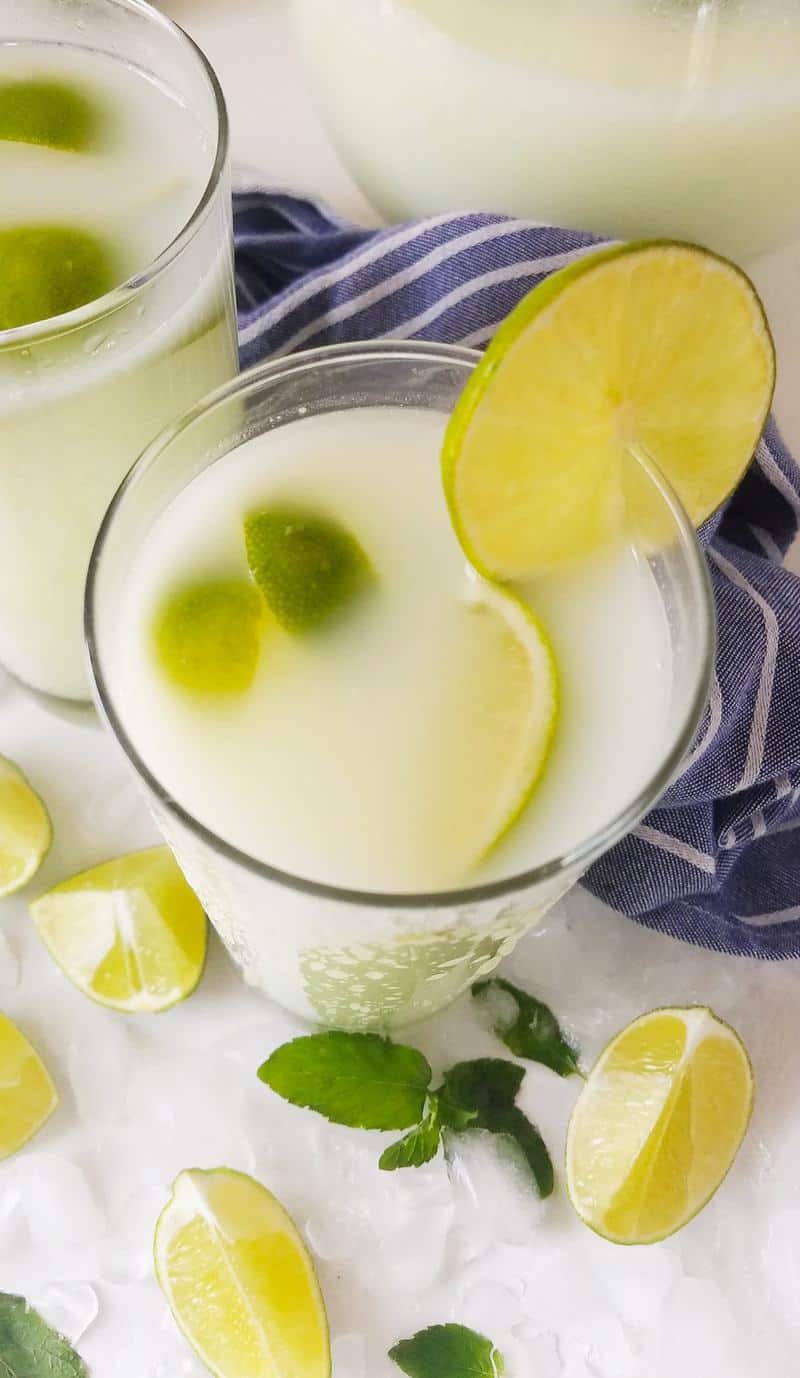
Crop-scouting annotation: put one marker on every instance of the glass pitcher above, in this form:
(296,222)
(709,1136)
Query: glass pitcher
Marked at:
(628,117)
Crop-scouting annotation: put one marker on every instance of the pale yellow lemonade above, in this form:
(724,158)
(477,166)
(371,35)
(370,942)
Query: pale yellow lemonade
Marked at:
(629,117)
(355,755)
(79,402)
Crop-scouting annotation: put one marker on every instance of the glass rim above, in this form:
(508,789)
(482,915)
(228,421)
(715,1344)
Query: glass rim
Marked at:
(569,863)
(124,292)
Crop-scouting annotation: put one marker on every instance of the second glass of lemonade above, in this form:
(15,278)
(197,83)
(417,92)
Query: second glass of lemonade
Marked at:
(116,290)
(342,797)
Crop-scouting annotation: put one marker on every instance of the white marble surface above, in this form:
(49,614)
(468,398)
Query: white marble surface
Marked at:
(144,1097)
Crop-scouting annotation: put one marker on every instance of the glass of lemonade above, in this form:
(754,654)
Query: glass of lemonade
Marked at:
(116,290)
(629,117)
(331,813)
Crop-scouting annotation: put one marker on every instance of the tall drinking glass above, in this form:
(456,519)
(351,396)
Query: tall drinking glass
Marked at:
(344,957)
(82,393)
(628,117)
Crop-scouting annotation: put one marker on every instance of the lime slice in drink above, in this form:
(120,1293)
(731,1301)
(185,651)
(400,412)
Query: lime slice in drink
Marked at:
(658,1124)
(51,113)
(25,829)
(27,1095)
(208,635)
(46,270)
(487,735)
(657,348)
(308,567)
(239,1279)
(130,933)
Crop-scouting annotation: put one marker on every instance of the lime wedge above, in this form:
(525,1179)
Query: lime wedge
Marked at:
(308,567)
(658,1124)
(487,736)
(208,635)
(130,933)
(46,270)
(660,348)
(27,1095)
(51,113)
(25,829)
(239,1279)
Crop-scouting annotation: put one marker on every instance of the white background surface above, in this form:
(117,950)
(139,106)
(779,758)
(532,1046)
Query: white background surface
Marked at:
(143,1098)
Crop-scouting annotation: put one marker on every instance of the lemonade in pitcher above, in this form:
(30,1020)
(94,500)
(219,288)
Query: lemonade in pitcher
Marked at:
(627,117)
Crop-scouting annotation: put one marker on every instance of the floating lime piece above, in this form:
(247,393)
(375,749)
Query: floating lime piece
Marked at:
(308,567)
(51,113)
(46,270)
(130,933)
(27,1094)
(25,829)
(239,1279)
(208,636)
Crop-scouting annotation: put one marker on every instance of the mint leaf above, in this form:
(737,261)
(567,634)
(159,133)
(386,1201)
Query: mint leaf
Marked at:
(511,1123)
(361,1080)
(485,1090)
(479,1087)
(29,1348)
(417,1147)
(448,1351)
(534,1032)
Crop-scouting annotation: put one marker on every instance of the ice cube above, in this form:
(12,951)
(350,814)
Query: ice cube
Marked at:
(9,964)
(60,1206)
(492,1309)
(697,1335)
(533,1352)
(99,1062)
(496,1197)
(349,1356)
(69,1307)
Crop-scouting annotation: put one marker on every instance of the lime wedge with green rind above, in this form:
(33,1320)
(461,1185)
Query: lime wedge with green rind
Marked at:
(47,270)
(25,829)
(239,1279)
(309,567)
(51,113)
(207,636)
(660,349)
(27,1094)
(658,1124)
(129,933)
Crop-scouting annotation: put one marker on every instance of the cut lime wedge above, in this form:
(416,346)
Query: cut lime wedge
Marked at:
(27,1094)
(658,1124)
(654,348)
(239,1280)
(25,829)
(129,933)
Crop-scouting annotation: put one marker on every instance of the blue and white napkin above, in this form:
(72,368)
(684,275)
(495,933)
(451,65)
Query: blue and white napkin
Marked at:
(718,862)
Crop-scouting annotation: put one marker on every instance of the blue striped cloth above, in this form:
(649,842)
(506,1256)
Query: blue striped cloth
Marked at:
(718,862)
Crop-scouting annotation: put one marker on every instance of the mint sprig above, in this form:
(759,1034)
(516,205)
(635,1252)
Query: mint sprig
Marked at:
(448,1351)
(368,1082)
(29,1348)
(361,1080)
(534,1032)
(487,1089)
(417,1147)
